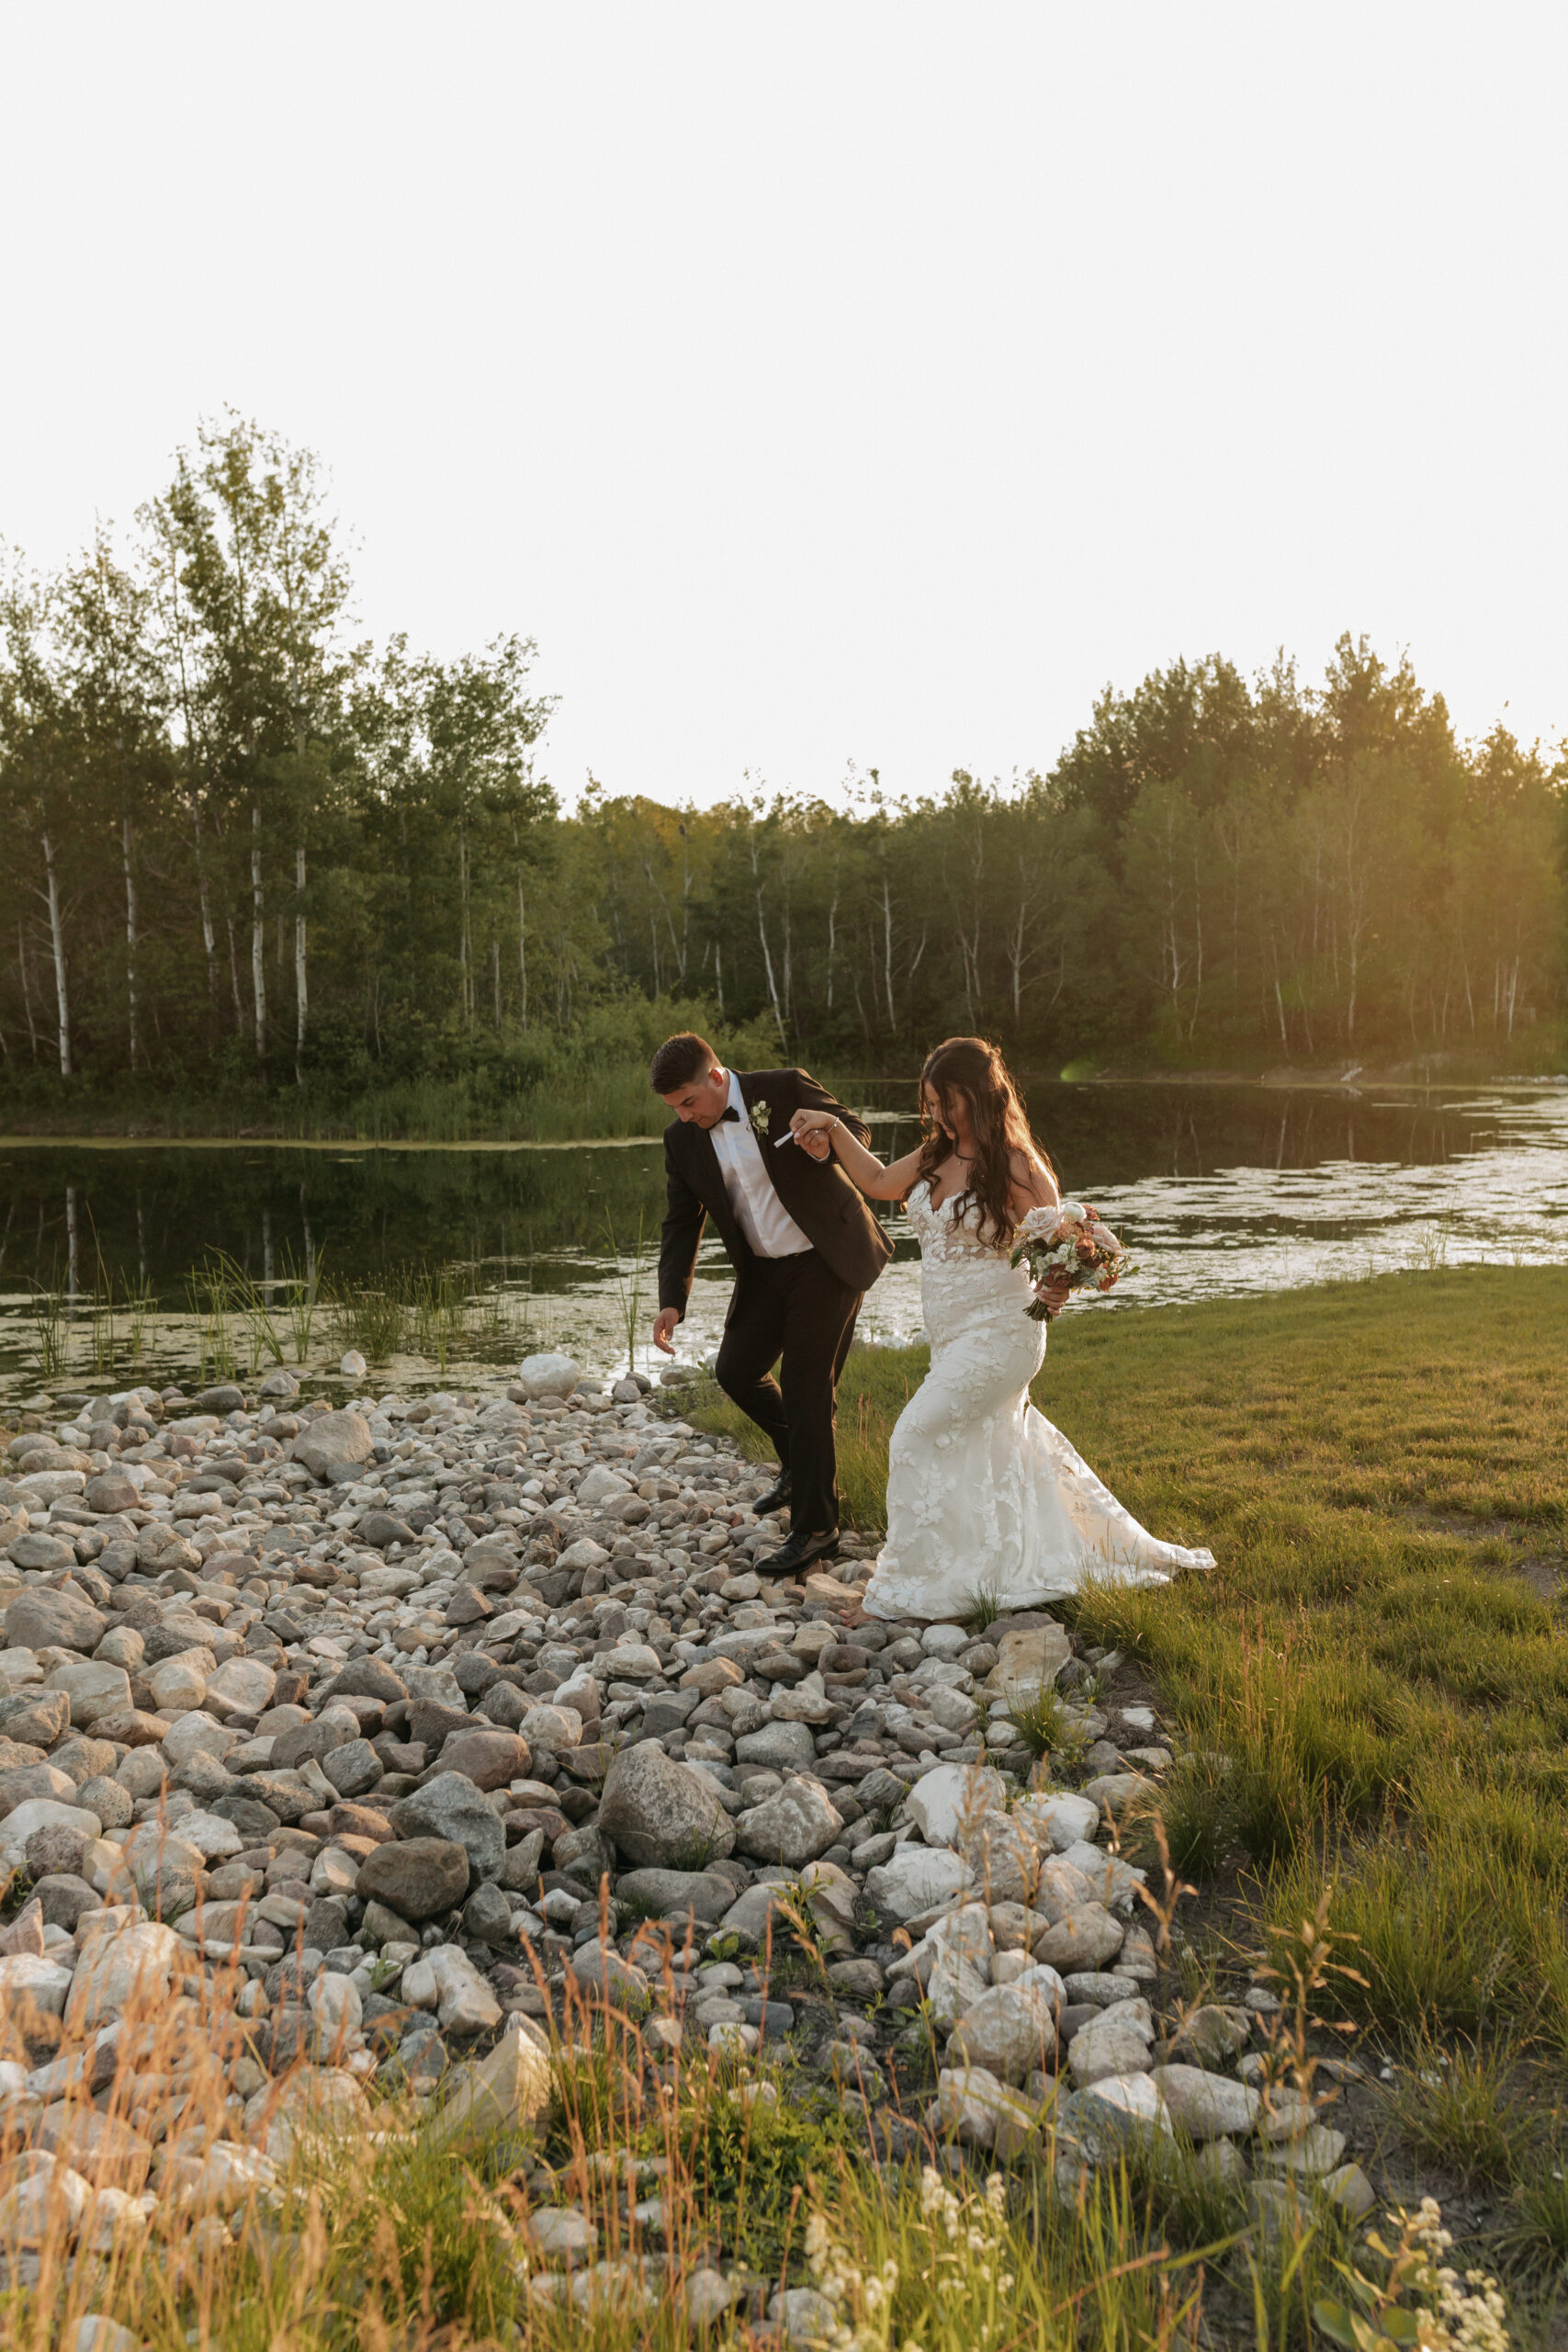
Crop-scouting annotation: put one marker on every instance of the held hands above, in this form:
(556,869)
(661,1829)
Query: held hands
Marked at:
(664,1324)
(813,1132)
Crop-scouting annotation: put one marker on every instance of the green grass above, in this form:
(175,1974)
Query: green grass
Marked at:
(1379,1468)
(1466,2112)
(1038,1719)
(1535,2241)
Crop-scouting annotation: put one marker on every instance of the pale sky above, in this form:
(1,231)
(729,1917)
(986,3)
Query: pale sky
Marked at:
(823,384)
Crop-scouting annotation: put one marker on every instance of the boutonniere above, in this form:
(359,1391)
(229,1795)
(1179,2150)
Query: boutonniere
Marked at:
(761,1117)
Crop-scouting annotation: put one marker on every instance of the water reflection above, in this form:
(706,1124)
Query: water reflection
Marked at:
(1220,1189)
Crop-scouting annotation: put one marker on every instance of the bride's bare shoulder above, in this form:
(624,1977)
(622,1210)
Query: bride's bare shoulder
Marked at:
(1034,1186)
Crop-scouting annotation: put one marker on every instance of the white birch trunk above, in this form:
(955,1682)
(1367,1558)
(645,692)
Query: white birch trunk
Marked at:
(302,1001)
(258,933)
(126,841)
(234,972)
(768,969)
(465,950)
(57,940)
(27,990)
(208,935)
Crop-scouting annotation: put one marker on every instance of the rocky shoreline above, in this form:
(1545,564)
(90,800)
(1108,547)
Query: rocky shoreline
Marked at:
(375,1743)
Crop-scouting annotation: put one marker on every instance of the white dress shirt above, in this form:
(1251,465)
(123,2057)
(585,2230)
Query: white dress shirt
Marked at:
(759,1212)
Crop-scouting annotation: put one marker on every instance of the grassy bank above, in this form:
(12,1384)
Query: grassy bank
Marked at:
(1375,1681)
(611,1100)
(525,1085)
(542,1088)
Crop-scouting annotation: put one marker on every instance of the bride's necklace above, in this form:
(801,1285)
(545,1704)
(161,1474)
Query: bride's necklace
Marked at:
(964,1159)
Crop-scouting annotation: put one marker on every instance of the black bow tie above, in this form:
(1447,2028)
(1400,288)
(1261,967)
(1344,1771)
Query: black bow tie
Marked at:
(730,1114)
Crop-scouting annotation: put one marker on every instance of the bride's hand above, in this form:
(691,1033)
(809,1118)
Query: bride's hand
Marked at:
(812,1131)
(1056,1292)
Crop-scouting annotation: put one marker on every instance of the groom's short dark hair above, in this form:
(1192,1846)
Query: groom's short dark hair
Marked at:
(681,1059)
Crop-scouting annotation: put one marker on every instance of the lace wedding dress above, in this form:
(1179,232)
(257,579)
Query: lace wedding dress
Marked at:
(983,1496)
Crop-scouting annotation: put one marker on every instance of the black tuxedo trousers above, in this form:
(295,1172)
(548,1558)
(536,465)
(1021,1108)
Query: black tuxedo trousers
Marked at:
(796,1313)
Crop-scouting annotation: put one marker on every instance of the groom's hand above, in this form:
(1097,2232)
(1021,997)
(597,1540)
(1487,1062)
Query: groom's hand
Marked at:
(664,1324)
(812,1132)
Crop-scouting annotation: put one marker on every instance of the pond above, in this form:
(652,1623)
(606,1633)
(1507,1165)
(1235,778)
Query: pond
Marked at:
(123,1262)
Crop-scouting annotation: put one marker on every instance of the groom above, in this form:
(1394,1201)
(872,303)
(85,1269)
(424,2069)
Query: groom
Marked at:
(805,1247)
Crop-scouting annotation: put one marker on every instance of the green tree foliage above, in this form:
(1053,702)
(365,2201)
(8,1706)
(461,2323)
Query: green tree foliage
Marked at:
(246,851)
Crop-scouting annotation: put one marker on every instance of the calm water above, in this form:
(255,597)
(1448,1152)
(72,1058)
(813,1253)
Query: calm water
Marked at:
(1219,1190)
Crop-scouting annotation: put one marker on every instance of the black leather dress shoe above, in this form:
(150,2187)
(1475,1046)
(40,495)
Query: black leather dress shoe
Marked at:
(800,1552)
(774,1500)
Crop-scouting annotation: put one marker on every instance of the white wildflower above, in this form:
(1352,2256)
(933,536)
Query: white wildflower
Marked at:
(1471,2313)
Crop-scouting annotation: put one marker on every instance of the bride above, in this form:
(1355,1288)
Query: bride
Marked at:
(983,1496)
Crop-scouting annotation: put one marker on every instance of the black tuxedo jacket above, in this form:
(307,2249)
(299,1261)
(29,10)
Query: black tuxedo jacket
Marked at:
(834,1216)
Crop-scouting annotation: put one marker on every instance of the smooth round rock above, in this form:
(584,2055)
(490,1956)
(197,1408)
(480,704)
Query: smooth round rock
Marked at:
(415,1877)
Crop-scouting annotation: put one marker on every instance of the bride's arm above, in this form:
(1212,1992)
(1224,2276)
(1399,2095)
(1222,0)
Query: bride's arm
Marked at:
(1035,1187)
(1032,1187)
(861,1167)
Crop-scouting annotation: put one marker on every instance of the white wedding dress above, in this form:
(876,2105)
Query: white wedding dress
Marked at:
(983,1496)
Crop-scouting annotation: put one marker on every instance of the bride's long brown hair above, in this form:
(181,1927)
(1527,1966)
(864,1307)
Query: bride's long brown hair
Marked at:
(972,1068)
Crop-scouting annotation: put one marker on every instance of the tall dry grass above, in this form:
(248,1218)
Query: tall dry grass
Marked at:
(709,2181)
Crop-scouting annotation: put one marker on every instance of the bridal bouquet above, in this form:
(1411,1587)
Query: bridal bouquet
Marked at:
(1071,1240)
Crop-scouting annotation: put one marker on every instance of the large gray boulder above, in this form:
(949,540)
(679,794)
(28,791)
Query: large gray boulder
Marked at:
(333,1727)
(661,1814)
(489,1759)
(37,1549)
(1205,2105)
(596,1968)
(487,1916)
(1028,1662)
(35,1718)
(415,1877)
(1011,2032)
(92,1689)
(783,1746)
(1116,2042)
(333,1445)
(451,1807)
(792,1827)
(1083,1940)
(379,1528)
(354,1769)
(18,1782)
(654,1893)
(54,1618)
(224,1400)
(368,1677)
(160,1547)
(599,1484)
(111,1491)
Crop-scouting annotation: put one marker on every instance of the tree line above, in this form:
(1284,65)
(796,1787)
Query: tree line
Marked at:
(245,851)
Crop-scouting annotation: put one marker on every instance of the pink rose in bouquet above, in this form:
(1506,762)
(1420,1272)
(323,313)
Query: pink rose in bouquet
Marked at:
(1069,1240)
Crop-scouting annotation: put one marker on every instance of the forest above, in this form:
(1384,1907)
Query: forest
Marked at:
(257,869)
